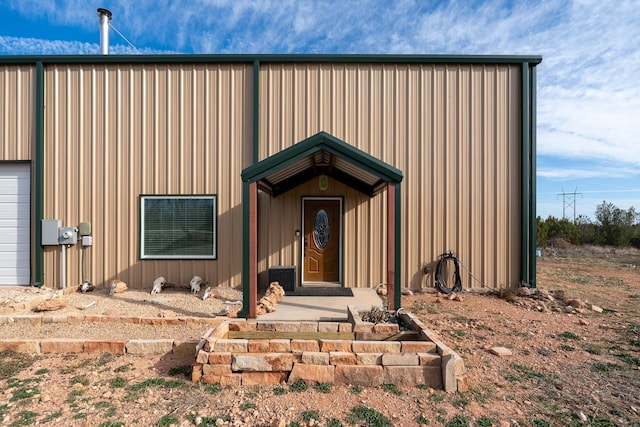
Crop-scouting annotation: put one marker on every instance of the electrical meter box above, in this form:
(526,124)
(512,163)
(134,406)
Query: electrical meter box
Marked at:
(84,228)
(68,236)
(50,231)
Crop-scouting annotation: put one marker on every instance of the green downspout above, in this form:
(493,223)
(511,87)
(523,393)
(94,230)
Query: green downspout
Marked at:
(533,231)
(38,164)
(398,246)
(246,282)
(525,175)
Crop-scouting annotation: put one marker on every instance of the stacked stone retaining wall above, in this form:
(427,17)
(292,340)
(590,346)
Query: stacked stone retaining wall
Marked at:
(79,345)
(248,352)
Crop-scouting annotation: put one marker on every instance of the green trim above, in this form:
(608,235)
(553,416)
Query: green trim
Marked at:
(321,141)
(533,231)
(343,233)
(525,175)
(301,241)
(528,230)
(256,111)
(38,185)
(15,162)
(246,280)
(398,247)
(271,58)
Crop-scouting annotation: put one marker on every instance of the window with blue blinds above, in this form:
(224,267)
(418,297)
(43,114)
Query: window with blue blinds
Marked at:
(178,227)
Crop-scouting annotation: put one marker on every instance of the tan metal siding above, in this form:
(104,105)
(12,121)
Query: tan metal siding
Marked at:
(17,111)
(114,132)
(453,130)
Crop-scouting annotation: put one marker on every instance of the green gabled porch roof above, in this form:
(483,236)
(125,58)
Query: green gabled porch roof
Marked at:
(322,154)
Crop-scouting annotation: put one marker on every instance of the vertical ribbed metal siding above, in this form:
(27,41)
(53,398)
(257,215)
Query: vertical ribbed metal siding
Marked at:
(114,132)
(17,112)
(454,132)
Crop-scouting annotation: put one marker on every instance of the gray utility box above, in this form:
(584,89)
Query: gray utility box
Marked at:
(50,231)
(68,235)
(285,275)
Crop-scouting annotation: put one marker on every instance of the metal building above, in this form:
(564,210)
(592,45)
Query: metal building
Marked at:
(353,170)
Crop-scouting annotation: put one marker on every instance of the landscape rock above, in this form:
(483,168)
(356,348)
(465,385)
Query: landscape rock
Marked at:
(411,376)
(525,292)
(51,305)
(262,362)
(312,373)
(574,302)
(117,287)
(272,296)
(543,294)
(367,376)
(501,351)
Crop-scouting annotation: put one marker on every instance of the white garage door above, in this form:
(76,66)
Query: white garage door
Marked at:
(15,189)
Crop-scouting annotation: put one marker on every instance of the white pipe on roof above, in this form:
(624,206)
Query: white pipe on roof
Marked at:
(105,17)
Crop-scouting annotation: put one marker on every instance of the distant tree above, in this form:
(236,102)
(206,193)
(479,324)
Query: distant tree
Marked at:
(542,232)
(635,240)
(554,228)
(615,226)
(587,229)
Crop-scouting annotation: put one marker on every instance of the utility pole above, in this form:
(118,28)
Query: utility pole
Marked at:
(569,201)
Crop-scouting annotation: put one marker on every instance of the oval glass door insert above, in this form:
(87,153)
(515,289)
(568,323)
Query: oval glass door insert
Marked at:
(321,229)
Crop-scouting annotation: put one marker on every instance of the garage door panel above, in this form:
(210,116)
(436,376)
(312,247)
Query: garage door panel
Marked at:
(14,235)
(15,210)
(8,223)
(22,247)
(6,275)
(11,260)
(14,195)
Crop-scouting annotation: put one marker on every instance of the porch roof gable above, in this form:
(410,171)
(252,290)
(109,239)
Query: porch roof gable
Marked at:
(322,154)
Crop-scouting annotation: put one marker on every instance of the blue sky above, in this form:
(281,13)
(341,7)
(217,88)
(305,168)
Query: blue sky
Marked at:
(588,83)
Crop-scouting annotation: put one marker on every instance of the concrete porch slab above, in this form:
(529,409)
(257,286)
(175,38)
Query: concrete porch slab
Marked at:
(326,309)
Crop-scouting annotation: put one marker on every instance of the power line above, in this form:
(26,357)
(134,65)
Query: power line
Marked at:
(569,201)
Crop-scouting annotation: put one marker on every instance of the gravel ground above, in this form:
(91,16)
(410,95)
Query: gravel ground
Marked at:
(111,331)
(140,303)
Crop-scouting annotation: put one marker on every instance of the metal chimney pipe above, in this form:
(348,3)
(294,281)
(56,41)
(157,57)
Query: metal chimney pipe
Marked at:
(105,17)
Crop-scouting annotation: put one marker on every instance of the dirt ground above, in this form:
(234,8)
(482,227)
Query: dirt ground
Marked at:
(569,367)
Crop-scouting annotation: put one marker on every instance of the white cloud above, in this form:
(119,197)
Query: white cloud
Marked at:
(564,173)
(33,46)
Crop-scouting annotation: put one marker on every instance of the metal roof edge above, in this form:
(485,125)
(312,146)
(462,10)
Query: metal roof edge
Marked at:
(274,58)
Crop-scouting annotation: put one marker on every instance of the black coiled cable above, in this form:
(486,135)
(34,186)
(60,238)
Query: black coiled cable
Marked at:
(441,282)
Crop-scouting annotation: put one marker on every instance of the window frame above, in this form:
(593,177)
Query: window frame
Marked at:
(214,220)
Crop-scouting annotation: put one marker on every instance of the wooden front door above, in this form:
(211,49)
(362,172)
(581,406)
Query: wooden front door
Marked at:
(322,240)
